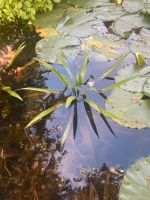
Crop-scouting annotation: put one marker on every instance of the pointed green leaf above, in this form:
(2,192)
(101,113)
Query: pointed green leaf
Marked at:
(65,65)
(115,65)
(44,113)
(67,130)
(75,119)
(101,110)
(45,90)
(140,60)
(83,68)
(113,86)
(19,50)
(58,74)
(11,92)
(70,100)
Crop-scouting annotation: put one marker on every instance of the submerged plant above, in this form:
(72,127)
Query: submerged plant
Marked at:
(77,88)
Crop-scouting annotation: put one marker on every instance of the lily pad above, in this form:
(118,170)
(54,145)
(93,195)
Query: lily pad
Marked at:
(146,87)
(107,46)
(134,85)
(65,46)
(88,3)
(108,12)
(142,44)
(132,111)
(133,6)
(146,10)
(136,182)
(130,22)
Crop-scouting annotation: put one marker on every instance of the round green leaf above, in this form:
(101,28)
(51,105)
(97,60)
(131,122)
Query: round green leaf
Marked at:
(142,44)
(136,182)
(129,108)
(64,46)
(146,87)
(134,85)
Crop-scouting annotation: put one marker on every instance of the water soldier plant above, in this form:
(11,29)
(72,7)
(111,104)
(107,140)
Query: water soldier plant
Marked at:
(77,87)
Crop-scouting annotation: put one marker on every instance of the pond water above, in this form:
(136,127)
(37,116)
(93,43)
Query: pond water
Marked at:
(33,165)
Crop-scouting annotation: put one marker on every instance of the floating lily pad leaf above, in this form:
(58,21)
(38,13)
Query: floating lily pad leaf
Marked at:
(48,21)
(133,6)
(129,108)
(146,87)
(130,22)
(134,85)
(88,3)
(108,12)
(146,10)
(61,45)
(107,46)
(136,182)
(142,44)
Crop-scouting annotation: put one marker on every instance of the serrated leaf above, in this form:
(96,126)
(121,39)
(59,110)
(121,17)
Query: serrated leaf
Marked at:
(45,90)
(115,65)
(11,92)
(44,113)
(67,130)
(101,110)
(58,74)
(70,100)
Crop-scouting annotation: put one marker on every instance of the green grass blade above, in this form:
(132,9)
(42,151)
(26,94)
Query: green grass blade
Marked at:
(115,65)
(70,100)
(44,113)
(19,50)
(65,65)
(113,86)
(58,74)
(39,90)
(67,130)
(75,119)
(83,68)
(11,92)
(101,110)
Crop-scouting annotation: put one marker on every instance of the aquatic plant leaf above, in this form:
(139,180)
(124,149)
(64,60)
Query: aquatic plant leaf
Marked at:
(65,65)
(87,3)
(142,43)
(19,50)
(136,182)
(129,107)
(129,71)
(90,117)
(146,87)
(45,90)
(115,65)
(44,113)
(108,47)
(133,6)
(101,110)
(67,130)
(75,119)
(58,74)
(113,86)
(130,22)
(107,124)
(83,68)
(11,92)
(64,46)
(69,100)
(140,60)
(146,9)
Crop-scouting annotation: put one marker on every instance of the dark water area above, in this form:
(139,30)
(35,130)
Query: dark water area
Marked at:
(32,163)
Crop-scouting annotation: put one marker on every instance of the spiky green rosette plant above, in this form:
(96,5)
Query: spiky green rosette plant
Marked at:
(78,88)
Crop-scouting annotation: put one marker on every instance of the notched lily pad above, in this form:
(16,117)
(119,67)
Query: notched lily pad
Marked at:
(134,85)
(129,108)
(142,44)
(136,182)
(65,46)
(146,87)
(130,22)
(108,47)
